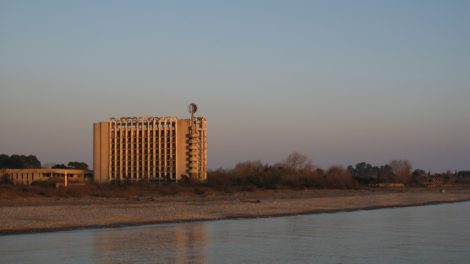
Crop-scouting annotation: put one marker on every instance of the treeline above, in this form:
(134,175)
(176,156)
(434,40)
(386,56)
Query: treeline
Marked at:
(72,165)
(19,162)
(400,171)
(31,162)
(296,171)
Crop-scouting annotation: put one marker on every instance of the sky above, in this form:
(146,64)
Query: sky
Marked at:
(339,81)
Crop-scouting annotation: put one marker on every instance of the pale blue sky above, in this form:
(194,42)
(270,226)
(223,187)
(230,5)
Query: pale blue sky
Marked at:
(341,81)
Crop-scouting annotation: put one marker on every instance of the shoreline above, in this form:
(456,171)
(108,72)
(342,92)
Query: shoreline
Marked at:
(123,225)
(66,215)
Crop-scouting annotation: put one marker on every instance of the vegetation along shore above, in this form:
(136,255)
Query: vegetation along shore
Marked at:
(250,189)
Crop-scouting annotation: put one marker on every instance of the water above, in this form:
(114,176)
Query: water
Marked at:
(428,234)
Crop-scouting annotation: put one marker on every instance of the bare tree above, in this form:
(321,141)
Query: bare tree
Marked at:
(248,168)
(402,170)
(338,177)
(297,161)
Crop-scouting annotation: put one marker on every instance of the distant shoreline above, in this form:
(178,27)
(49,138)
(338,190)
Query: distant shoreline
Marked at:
(50,215)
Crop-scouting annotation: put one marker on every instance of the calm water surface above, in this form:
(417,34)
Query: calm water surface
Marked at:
(428,234)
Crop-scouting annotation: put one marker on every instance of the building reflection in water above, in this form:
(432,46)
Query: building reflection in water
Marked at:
(172,243)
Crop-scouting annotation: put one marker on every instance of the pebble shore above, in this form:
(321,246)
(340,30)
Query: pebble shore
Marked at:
(48,214)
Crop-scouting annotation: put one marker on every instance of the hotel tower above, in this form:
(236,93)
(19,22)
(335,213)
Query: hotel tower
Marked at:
(150,149)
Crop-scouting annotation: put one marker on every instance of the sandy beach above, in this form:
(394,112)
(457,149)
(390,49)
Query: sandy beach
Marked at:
(53,214)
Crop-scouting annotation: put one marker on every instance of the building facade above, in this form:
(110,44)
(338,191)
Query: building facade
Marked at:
(151,149)
(28,176)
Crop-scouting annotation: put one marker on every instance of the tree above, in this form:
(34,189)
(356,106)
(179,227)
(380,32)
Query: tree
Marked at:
(386,174)
(72,165)
(247,173)
(364,172)
(296,161)
(338,177)
(59,166)
(19,162)
(78,165)
(401,169)
(419,176)
(4,159)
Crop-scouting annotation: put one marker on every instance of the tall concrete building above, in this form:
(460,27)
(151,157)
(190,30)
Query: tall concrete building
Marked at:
(150,149)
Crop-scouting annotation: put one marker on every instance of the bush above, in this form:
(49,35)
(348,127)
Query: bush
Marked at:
(257,175)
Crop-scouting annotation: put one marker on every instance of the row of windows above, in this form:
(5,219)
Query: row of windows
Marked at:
(143,152)
(114,172)
(167,161)
(169,144)
(162,161)
(145,134)
(141,142)
(122,140)
(162,133)
(168,168)
(118,139)
(144,148)
(144,155)
(165,151)
(141,172)
(135,170)
(143,125)
(135,142)
(142,158)
(129,148)
(161,176)
(146,162)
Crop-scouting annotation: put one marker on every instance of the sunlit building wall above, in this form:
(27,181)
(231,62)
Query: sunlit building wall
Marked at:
(152,149)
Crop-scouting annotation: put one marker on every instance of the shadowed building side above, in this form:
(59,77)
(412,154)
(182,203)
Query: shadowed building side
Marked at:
(151,149)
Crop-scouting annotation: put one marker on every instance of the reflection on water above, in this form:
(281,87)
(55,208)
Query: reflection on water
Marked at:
(429,234)
(151,244)
(173,243)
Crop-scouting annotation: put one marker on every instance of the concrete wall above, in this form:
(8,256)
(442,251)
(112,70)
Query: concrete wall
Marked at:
(101,152)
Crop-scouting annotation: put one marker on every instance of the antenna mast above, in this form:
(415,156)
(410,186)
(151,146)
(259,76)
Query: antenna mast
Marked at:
(192,108)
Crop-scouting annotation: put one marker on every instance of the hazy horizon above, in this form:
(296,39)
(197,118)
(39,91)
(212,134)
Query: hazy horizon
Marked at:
(339,81)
